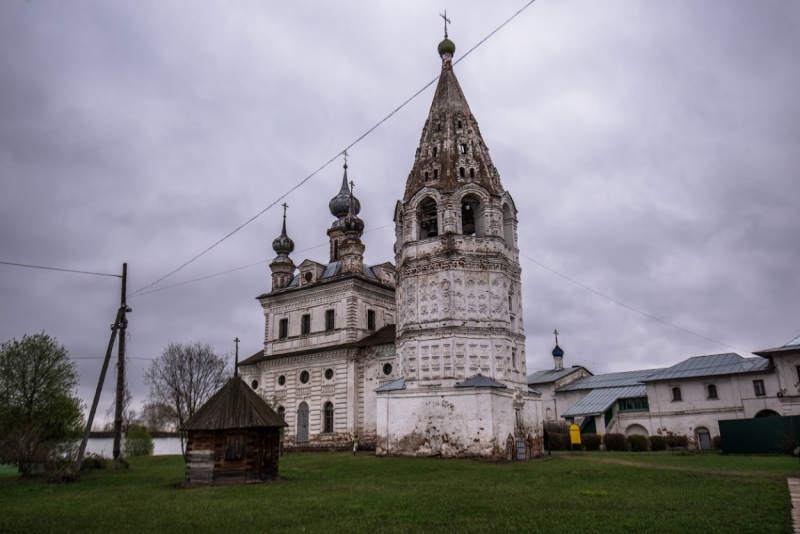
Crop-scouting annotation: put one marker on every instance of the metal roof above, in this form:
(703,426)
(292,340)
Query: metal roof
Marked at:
(795,341)
(712,365)
(480,381)
(551,375)
(534,391)
(600,400)
(396,385)
(330,270)
(234,405)
(609,380)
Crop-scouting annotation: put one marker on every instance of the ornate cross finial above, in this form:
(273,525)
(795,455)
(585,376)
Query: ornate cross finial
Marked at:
(352,186)
(285,205)
(446,22)
(345,158)
(556,333)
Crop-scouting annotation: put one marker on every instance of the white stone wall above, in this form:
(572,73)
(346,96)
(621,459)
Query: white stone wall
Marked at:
(350,299)
(454,422)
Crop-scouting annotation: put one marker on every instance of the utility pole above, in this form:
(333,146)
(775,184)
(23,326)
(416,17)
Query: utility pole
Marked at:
(103,370)
(123,324)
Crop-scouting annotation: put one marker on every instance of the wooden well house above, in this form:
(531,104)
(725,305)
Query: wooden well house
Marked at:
(233,438)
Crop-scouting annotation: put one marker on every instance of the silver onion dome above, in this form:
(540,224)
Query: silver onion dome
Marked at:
(340,204)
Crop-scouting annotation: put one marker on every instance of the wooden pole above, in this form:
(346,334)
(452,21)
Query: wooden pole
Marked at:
(120,400)
(85,439)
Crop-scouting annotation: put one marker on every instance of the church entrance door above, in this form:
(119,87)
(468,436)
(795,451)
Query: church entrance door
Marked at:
(302,423)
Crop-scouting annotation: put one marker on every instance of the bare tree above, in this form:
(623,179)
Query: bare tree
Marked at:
(158,417)
(185,376)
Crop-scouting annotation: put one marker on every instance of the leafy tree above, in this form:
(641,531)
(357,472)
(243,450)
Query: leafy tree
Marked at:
(39,412)
(184,377)
(138,442)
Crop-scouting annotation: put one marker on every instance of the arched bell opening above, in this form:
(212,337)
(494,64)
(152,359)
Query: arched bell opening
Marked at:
(428,219)
(472,216)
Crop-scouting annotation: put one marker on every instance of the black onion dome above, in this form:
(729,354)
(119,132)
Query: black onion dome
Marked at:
(557,352)
(352,224)
(340,204)
(283,244)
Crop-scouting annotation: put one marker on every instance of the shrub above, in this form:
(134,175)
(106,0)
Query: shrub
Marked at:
(559,442)
(591,442)
(677,441)
(94,461)
(658,443)
(615,442)
(716,443)
(138,442)
(638,443)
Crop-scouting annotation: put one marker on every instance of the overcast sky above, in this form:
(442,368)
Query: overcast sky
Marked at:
(652,149)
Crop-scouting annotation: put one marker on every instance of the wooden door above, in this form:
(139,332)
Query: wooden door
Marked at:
(302,423)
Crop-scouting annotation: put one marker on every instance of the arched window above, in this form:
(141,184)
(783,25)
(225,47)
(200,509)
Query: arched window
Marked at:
(712,391)
(471,213)
(282,412)
(328,417)
(428,219)
(676,394)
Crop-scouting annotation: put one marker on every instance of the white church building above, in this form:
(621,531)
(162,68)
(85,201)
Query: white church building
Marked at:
(425,358)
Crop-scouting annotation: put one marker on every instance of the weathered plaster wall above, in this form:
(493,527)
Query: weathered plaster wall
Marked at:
(453,422)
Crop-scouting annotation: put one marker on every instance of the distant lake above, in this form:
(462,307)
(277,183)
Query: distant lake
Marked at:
(102,443)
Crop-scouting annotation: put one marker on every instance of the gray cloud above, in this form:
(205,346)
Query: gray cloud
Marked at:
(650,147)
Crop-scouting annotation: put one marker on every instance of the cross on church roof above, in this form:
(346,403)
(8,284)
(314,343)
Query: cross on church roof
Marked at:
(446,22)
(556,333)
(285,205)
(345,157)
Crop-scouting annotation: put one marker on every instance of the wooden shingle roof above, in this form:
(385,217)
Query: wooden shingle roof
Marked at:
(235,405)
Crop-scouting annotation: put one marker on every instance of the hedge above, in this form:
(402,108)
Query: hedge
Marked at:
(615,442)
(591,442)
(658,443)
(638,443)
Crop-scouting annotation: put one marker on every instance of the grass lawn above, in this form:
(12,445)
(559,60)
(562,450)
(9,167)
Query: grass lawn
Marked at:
(335,492)
(6,469)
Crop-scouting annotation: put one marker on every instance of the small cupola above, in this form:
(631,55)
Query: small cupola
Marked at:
(340,204)
(282,266)
(558,355)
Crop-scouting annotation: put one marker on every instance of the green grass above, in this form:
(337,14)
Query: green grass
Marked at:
(6,469)
(763,465)
(335,492)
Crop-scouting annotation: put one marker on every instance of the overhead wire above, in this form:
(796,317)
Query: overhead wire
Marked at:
(242,267)
(307,178)
(58,269)
(630,307)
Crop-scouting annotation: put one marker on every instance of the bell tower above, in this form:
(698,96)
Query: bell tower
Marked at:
(459,300)
(460,338)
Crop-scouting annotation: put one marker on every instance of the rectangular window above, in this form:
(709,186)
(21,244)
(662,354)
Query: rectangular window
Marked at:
(370,320)
(305,325)
(636,404)
(797,370)
(510,303)
(758,385)
(330,317)
(514,358)
(283,328)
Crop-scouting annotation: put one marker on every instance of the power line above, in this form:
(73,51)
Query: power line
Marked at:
(242,267)
(629,307)
(307,178)
(58,269)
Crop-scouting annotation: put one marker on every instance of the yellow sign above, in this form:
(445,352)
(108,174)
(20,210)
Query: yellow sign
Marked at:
(575,434)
